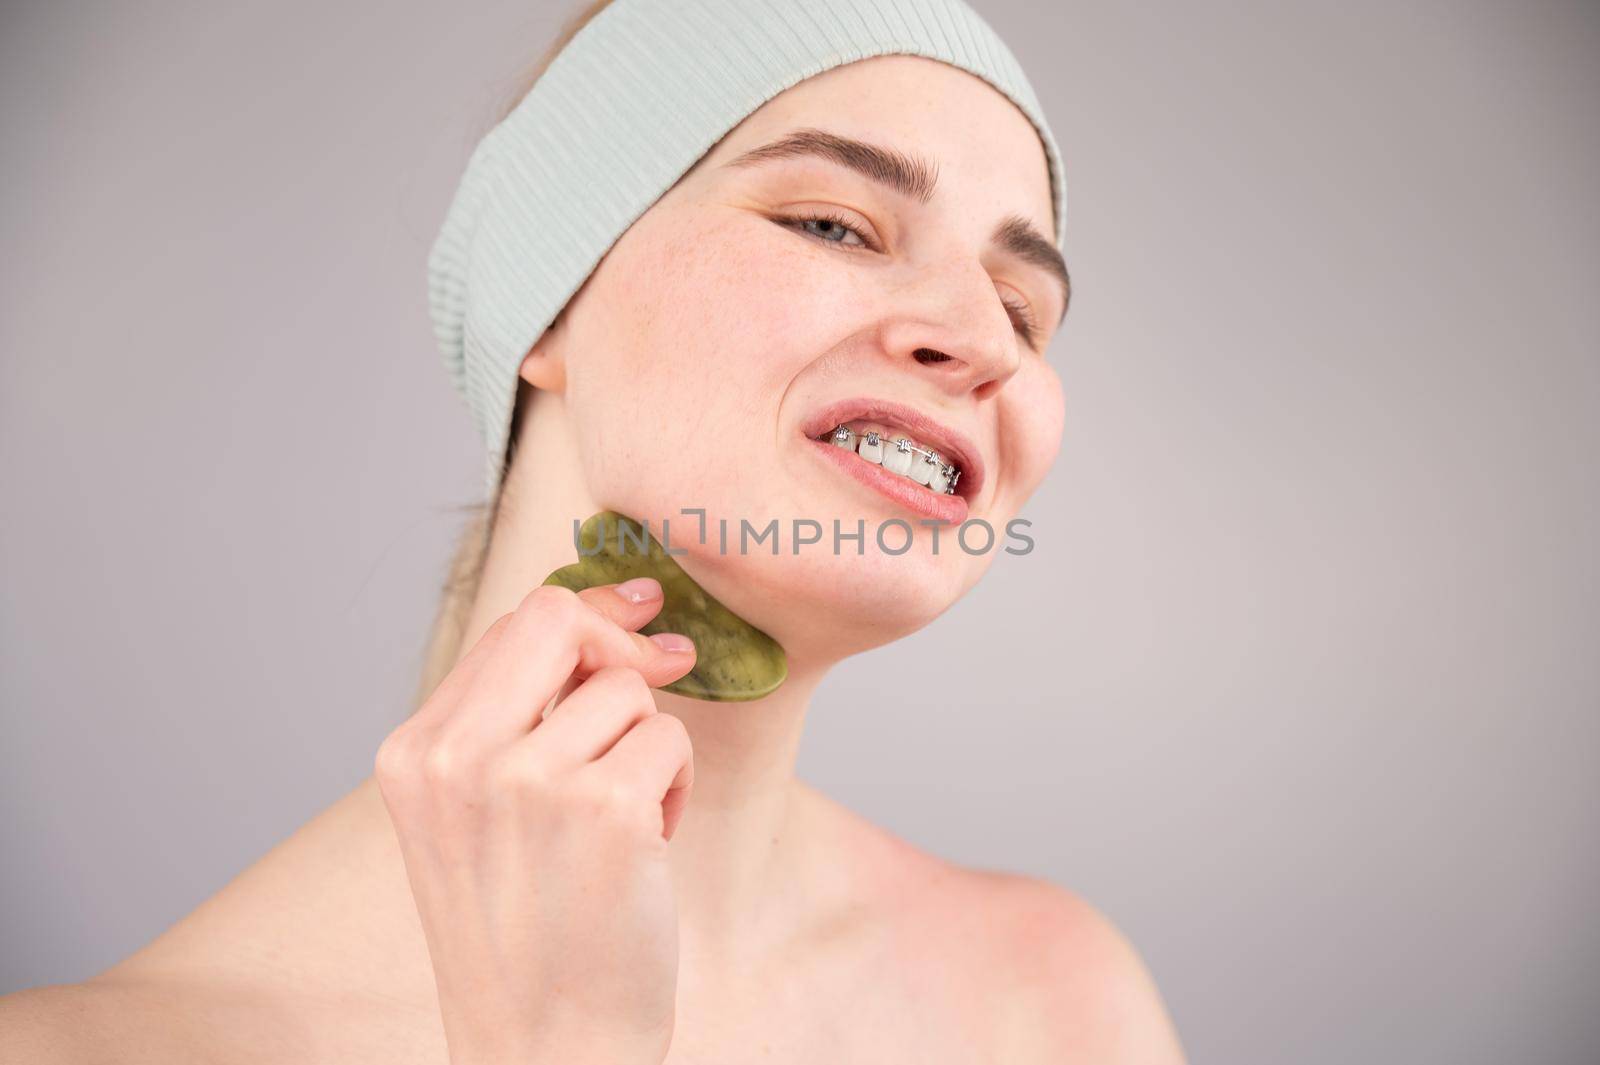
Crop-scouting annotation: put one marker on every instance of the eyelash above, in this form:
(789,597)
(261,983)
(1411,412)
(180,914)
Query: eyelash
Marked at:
(1028,326)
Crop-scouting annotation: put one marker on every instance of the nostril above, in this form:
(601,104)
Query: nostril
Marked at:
(987,389)
(927,355)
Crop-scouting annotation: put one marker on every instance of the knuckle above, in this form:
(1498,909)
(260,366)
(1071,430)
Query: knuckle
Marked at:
(606,799)
(672,730)
(624,683)
(524,777)
(549,600)
(443,766)
(393,761)
(667,732)
(620,801)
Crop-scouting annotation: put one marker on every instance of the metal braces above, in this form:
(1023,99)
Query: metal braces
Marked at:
(843,434)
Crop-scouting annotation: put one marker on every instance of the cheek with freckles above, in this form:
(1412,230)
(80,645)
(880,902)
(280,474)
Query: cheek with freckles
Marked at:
(697,323)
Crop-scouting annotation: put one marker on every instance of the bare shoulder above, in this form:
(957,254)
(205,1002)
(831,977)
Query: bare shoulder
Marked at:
(1078,989)
(1039,971)
(216,1018)
(67,1024)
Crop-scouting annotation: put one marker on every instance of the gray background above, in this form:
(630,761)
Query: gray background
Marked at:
(1301,684)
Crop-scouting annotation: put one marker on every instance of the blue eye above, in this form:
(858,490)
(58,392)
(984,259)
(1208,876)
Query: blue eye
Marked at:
(831,223)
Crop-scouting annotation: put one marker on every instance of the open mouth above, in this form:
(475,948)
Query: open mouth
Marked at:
(902,453)
(899,454)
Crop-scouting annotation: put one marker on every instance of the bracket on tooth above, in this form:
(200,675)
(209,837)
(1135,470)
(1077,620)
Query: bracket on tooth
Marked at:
(843,434)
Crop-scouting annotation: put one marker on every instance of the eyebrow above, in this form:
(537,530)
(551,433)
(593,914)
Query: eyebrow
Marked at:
(915,179)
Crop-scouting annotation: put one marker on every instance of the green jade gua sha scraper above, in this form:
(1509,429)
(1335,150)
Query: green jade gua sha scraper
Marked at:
(734,660)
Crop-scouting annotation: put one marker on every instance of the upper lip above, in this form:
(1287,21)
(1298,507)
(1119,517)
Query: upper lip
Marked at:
(953,445)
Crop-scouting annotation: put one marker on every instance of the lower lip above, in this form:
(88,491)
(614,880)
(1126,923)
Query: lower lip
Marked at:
(940,506)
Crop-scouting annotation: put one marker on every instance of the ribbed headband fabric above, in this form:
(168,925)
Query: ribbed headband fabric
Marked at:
(633,101)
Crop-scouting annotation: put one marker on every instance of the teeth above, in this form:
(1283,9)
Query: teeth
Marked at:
(899,455)
(871,448)
(897,459)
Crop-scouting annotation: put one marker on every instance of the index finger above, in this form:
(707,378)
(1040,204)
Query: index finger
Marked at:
(630,604)
(553,635)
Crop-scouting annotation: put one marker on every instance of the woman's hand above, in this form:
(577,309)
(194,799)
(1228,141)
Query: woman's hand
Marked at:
(536,846)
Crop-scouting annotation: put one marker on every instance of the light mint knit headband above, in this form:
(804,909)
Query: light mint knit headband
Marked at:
(633,101)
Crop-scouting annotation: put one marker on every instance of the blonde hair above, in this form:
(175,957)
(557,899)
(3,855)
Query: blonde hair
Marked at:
(464,575)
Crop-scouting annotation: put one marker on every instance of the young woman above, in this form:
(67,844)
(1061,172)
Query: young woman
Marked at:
(638,876)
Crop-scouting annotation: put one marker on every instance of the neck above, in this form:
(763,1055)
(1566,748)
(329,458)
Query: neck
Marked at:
(736,852)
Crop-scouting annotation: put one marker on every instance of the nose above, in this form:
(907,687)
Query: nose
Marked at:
(954,330)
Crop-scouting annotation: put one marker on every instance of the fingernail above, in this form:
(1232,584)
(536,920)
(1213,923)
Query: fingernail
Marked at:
(675,642)
(640,589)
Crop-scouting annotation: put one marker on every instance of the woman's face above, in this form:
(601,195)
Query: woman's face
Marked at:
(722,333)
